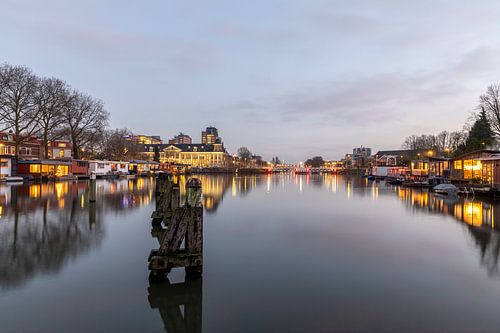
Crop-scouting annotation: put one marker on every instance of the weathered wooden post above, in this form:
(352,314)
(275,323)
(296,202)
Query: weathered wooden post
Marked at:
(194,235)
(164,195)
(92,188)
(185,225)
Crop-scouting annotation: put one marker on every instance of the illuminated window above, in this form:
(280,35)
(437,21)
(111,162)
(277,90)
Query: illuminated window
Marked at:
(61,153)
(61,170)
(34,168)
(62,145)
(472,169)
(457,165)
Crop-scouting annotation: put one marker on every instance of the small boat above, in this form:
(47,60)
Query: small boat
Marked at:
(446,189)
(13,179)
(127,176)
(395,180)
(416,184)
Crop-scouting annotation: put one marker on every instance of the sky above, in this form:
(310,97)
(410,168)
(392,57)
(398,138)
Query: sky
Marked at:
(294,79)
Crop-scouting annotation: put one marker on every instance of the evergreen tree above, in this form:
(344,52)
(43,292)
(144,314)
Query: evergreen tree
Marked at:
(480,134)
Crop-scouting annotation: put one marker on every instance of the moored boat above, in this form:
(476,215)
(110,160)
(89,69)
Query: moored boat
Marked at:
(446,189)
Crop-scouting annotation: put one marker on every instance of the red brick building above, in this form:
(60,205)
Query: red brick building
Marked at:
(32,148)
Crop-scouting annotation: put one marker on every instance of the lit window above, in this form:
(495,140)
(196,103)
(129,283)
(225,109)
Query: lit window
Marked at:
(34,168)
(457,165)
(61,153)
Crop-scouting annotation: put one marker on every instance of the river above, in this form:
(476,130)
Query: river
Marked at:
(320,253)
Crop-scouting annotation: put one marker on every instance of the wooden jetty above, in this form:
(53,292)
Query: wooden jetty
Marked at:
(173,225)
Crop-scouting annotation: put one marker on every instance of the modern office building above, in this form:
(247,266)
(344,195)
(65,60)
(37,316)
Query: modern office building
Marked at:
(210,136)
(180,139)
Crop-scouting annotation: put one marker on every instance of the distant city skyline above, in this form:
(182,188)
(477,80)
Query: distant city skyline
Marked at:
(288,78)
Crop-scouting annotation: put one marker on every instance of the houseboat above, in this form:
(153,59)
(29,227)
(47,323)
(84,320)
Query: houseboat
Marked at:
(468,168)
(5,167)
(428,172)
(143,168)
(44,169)
(100,168)
(108,168)
(80,169)
(302,170)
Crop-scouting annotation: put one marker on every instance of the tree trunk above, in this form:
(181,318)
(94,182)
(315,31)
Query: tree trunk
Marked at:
(45,144)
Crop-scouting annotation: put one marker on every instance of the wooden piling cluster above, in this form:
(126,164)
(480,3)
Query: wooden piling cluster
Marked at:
(174,225)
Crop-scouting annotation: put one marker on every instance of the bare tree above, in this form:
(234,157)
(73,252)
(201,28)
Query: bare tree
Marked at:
(18,111)
(52,97)
(117,147)
(85,120)
(490,101)
(442,141)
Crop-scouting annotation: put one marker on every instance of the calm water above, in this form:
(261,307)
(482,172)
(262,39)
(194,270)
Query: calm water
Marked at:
(281,253)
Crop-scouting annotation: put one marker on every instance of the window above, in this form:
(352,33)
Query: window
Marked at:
(472,169)
(100,165)
(61,153)
(34,168)
(457,165)
(61,170)
(62,145)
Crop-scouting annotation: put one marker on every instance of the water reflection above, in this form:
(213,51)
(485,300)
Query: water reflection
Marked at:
(179,304)
(477,214)
(45,226)
(216,186)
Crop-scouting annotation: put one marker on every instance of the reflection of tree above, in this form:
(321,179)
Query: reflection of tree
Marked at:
(44,226)
(488,243)
(41,241)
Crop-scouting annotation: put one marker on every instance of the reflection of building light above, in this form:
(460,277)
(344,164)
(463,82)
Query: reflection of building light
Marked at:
(300,184)
(140,183)
(1,211)
(348,191)
(34,191)
(60,203)
(82,201)
(268,183)
(473,213)
(334,184)
(61,189)
(234,192)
